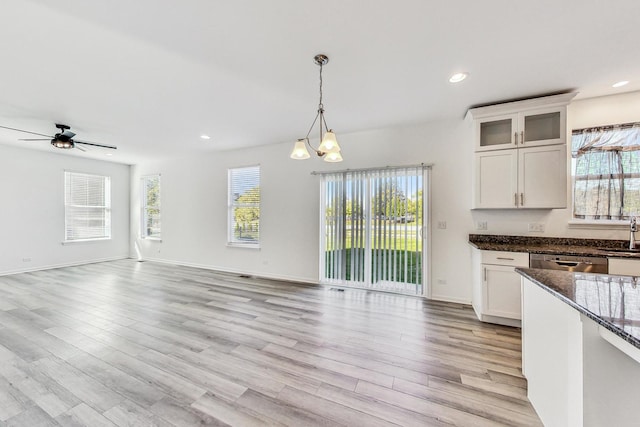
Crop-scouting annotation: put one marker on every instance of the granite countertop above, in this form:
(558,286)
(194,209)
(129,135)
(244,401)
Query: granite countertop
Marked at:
(611,301)
(553,245)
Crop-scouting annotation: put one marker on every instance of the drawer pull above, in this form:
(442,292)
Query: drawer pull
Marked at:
(506,259)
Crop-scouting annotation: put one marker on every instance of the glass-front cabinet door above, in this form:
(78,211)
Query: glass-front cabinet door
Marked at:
(542,127)
(496,133)
(524,129)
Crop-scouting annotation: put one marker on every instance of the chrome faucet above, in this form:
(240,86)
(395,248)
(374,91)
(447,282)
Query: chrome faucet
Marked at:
(633,227)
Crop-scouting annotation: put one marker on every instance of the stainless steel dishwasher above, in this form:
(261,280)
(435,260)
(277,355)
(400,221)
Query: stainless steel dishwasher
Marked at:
(588,264)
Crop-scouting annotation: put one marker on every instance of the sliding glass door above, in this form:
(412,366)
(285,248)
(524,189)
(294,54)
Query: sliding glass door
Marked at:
(372,231)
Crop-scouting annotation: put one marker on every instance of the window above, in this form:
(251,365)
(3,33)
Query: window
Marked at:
(606,172)
(87,206)
(150,226)
(244,206)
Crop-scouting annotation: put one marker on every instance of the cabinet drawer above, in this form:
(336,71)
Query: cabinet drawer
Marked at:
(516,259)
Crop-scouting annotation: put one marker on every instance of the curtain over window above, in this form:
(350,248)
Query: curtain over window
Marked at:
(87,206)
(244,206)
(606,169)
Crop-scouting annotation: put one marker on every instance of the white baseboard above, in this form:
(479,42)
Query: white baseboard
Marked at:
(69,264)
(445,298)
(286,278)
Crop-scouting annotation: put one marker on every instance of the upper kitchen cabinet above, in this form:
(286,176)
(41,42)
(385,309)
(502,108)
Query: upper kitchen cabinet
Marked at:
(532,177)
(528,123)
(521,155)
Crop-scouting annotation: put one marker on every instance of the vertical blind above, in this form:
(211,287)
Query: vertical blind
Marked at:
(244,206)
(151,224)
(87,203)
(371,231)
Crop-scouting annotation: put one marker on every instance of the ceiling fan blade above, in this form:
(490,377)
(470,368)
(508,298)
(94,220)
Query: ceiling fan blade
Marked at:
(68,134)
(34,139)
(79,148)
(95,145)
(26,131)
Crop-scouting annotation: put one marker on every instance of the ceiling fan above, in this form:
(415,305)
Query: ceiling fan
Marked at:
(63,139)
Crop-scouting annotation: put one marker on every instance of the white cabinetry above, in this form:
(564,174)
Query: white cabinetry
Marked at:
(496,296)
(521,156)
(625,267)
(524,178)
(543,126)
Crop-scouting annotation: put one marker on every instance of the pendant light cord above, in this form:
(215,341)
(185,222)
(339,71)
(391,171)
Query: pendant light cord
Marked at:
(319,113)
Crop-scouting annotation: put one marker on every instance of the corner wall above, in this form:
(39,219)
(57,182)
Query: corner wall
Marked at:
(32,212)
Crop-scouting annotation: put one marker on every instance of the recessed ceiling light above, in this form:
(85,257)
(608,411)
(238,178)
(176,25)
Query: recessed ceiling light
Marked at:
(620,84)
(205,137)
(109,154)
(458,77)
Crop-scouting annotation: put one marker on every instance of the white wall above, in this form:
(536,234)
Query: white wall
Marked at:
(194,200)
(32,211)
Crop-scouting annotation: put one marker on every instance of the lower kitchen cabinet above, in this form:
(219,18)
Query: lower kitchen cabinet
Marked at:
(496,288)
(625,267)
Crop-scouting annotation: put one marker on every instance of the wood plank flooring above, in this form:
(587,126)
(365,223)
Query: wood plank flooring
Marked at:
(142,344)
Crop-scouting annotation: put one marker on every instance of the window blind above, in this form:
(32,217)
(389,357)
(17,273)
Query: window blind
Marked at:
(371,231)
(87,203)
(151,224)
(244,206)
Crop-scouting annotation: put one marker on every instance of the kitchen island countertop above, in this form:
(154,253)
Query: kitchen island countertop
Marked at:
(611,301)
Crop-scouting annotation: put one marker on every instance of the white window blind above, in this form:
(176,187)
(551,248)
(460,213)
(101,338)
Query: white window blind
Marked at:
(151,225)
(87,206)
(244,206)
(372,229)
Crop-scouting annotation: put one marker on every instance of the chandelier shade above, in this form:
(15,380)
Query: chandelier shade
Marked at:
(300,151)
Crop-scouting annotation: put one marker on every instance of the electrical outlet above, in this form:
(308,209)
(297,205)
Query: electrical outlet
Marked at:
(536,227)
(26,259)
(481,225)
(442,225)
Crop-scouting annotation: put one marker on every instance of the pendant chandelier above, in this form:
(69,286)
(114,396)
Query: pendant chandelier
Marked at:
(329,148)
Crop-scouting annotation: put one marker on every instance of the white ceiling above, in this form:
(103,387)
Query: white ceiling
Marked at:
(150,76)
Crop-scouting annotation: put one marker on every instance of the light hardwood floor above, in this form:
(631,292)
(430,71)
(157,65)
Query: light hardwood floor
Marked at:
(135,344)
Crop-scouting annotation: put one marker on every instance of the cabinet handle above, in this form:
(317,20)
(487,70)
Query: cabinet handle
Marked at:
(521,199)
(506,259)
(485,273)
(522,137)
(515,138)
(515,199)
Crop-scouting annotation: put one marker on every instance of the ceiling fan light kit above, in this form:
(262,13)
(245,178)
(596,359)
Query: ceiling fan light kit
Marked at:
(329,148)
(63,139)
